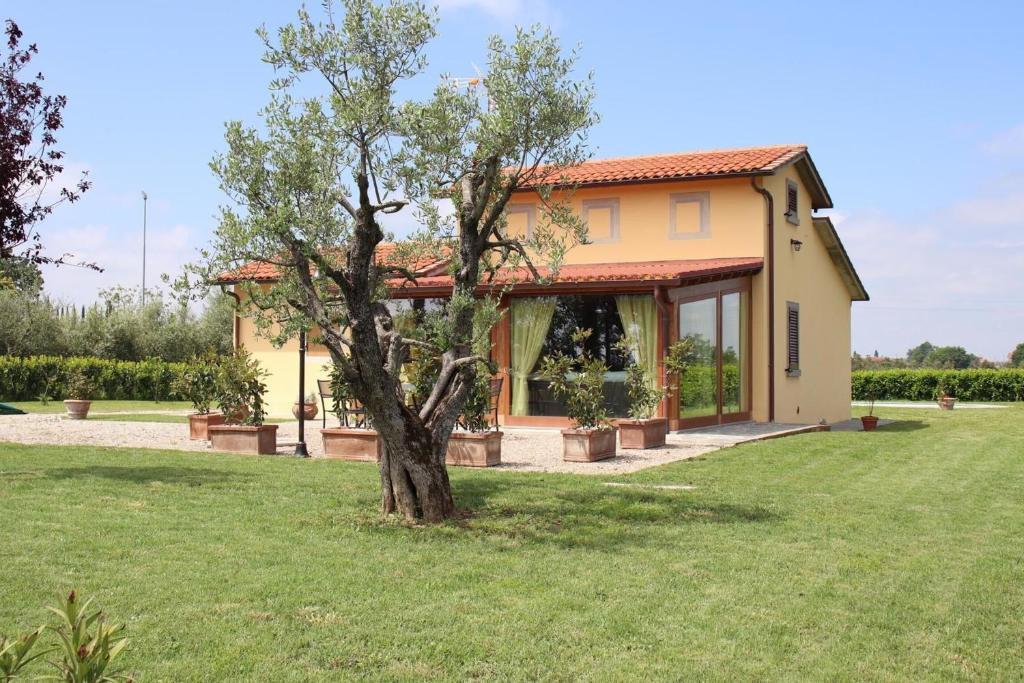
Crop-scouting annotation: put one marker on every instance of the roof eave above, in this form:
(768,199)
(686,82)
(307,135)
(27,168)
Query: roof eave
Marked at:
(827,232)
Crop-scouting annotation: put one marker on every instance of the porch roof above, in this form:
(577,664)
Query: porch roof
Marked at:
(601,276)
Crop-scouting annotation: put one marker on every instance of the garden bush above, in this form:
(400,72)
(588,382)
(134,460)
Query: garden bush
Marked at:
(921,385)
(27,379)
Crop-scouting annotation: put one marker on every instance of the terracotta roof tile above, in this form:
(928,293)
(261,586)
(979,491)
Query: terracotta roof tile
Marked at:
(721,162)
(261,271)
(644,271)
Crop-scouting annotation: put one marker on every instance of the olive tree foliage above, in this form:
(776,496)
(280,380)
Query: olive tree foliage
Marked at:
(338,150)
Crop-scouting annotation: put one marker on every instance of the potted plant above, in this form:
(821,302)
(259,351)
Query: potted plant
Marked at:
(643,430)
(240,390)
(479,445)
(198,384)
(347,443)
(869,422)
(79,395)
(580,383)
(943,397)
(307,409)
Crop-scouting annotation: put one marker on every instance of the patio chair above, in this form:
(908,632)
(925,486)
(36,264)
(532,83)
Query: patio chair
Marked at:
(349,407)
(495,394)
(324,386)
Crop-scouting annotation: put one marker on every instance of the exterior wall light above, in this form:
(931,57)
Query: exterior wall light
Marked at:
(796,244)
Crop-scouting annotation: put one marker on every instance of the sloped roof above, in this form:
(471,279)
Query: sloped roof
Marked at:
(669,273)
(716,163)
(263,271)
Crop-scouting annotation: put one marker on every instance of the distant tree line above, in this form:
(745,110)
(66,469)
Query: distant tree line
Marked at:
(118,326)
(928,356)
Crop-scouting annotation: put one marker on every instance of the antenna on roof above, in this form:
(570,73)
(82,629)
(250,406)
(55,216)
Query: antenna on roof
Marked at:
(472,82)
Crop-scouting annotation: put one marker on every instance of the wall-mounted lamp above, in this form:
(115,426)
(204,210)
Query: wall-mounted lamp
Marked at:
(796,244)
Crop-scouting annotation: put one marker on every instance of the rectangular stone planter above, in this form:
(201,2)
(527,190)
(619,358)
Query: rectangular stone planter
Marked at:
(648,433)
(588,445)
(343,443)
(200,423)
(260,440)
(474,449)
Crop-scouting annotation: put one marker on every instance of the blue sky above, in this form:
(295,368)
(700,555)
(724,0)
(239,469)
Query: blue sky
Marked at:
(914,114)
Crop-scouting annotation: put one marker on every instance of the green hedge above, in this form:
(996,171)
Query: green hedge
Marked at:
(920,385)
(24,379)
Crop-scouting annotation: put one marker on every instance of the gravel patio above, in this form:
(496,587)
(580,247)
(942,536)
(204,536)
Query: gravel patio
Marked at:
(524,450)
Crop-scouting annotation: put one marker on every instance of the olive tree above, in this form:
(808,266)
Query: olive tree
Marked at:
(338,150)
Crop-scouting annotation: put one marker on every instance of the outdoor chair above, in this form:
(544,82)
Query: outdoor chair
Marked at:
(349,407)
(495,394)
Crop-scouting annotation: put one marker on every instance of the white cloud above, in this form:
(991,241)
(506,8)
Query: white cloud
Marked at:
(1007,143)
(507,10)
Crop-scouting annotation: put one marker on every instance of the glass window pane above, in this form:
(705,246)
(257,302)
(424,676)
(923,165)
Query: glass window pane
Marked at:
(698,387)
(734,352)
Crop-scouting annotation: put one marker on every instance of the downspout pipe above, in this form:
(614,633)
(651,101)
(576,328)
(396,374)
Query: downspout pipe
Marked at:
(769,202)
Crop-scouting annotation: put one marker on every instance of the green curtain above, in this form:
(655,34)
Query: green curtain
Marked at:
(531,319)
(639,316)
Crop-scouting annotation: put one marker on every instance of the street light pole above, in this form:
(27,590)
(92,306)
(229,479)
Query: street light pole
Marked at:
(145,199)
(300,447)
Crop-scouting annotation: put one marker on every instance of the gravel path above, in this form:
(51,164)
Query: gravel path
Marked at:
(524,450)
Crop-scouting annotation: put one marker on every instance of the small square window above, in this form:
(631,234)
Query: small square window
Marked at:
(792,202)
(602,219)
(522,219)
(689,215)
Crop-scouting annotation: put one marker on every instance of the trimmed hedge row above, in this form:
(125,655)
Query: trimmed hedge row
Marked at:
(24,379)
(920,385)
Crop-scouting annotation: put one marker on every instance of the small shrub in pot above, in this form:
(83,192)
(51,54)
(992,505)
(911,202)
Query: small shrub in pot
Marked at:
(241,388)
(479,445)
(199,384)
(579,382)
(79,392)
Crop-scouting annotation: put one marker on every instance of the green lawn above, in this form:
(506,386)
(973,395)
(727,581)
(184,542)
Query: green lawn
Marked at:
(102,406)
(895,555)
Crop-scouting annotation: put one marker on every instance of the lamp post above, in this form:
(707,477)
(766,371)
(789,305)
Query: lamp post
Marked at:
(145,199)
(300,447)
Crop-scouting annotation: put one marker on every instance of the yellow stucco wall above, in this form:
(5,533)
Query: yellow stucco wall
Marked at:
(735,222)
(282,364)
(735,228)
(809,278)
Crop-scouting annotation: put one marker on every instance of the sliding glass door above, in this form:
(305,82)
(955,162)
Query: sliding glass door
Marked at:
(714,389)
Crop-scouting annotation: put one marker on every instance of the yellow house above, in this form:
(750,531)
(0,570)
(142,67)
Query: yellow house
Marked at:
(722,247)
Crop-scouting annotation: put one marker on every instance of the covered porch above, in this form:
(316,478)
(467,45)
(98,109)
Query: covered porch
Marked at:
(706,301)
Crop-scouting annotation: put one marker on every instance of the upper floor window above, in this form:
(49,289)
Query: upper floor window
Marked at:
(602,219)
(689,215)
(792,202)
(522,220)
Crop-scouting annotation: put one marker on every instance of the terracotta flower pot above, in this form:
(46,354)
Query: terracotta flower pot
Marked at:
(869,422)
(200,423)
(649,433)
(474,449)
(77,409)
(343,443)
(261,440)
(308,410)
(588,445)
(947,403)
